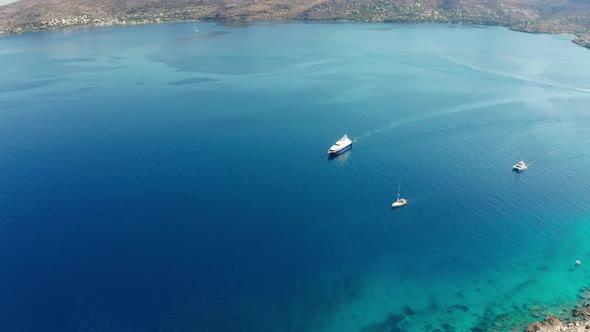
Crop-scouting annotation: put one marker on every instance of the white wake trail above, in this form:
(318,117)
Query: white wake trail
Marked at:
(430,115)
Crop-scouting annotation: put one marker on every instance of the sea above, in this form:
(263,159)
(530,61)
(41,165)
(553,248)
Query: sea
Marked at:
(153,178)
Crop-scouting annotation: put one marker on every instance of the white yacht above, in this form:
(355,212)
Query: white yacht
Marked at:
(400,201)
(342,145)
(521,166)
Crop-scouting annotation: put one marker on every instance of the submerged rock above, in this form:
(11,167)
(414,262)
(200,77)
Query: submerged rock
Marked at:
(408,311)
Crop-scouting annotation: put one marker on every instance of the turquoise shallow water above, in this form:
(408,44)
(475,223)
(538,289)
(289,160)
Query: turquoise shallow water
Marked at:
(153,179)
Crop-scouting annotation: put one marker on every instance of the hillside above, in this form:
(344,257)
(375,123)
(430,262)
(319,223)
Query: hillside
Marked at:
(552,16)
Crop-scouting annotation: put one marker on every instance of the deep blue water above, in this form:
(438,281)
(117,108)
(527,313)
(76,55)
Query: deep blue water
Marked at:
(152,179)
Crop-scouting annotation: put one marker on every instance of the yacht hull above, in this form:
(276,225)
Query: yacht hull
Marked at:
(337,152)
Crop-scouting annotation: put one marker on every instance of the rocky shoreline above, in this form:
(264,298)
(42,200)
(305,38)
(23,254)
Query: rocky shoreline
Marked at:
(583,41)
(574,320)
(554,324)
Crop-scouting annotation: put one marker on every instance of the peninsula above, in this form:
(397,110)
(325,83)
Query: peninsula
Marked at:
(535,16)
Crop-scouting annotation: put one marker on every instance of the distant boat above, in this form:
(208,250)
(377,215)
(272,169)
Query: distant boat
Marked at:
(196,31)
(342,145)
(520,166)
(400,201)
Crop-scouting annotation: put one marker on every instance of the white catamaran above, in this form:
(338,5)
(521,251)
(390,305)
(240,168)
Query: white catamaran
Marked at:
(520,166)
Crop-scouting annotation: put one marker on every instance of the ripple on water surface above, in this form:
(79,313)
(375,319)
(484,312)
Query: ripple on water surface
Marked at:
(184,178)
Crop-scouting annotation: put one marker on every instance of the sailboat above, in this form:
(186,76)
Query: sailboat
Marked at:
(196,31)
(400,201)
(520,166)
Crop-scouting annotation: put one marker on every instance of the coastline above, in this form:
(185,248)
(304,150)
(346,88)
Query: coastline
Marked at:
(580,39)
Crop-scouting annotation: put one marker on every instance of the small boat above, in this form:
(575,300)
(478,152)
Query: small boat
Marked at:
(342,145)
(578,262)
(521,166)
(400,201)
